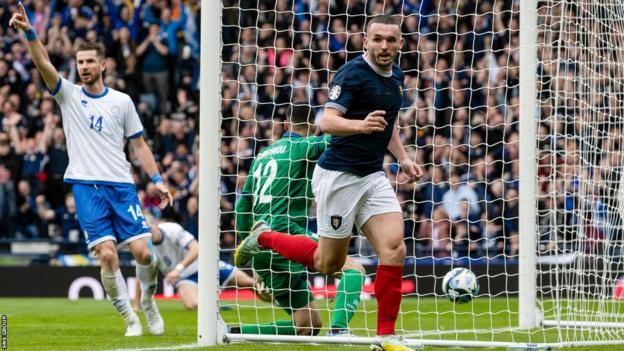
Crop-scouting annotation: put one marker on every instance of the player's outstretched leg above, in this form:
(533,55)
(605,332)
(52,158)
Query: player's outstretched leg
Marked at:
(249,247)
(297,248)
(147,273)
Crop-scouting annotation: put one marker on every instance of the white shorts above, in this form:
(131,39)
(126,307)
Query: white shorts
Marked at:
(344,199)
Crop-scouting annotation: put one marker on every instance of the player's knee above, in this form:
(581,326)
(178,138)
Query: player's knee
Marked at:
(316,329)
(143,257)
(317,324)
(308,328)
(399,250)
(328,267)
(394,252)
(329,264)
(107,257)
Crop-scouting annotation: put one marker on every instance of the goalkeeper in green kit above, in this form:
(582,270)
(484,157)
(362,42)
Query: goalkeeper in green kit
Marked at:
(278,191)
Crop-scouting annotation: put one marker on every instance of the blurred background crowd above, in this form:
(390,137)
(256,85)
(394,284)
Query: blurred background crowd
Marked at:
(459,121)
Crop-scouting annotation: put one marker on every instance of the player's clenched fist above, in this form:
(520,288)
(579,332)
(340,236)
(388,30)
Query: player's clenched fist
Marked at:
(374,122)
(411,169)
(19,19)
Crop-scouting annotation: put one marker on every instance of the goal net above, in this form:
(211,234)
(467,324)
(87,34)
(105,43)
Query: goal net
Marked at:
(579,157)
(461,121)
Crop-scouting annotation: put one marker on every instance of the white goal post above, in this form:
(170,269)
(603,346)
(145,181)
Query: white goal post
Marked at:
(548,129)
(209,330)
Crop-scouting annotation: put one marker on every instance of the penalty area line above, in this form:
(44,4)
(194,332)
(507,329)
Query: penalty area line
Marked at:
(158,348)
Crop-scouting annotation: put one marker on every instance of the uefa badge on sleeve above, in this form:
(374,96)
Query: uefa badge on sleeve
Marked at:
(334,93)
(336,222)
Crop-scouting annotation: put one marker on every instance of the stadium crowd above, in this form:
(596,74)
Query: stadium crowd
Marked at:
(153,56)
(460,113)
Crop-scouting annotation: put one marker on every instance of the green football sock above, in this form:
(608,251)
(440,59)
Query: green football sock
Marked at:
(347,298)
(273,328)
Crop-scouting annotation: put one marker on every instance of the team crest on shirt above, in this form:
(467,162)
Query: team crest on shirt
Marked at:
(334,93)
(84,103)
(115,111)
(401,90)
(336,222)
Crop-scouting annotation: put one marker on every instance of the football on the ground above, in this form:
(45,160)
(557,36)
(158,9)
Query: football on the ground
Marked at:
(460,285)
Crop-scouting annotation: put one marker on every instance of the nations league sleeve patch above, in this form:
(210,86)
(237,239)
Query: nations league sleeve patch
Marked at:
(336,222)
(334,93)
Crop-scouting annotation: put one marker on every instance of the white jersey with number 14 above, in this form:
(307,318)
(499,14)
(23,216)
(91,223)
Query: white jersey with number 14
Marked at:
(95,127)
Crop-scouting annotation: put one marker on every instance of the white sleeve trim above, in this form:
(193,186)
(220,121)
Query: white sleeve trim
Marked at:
(336,106)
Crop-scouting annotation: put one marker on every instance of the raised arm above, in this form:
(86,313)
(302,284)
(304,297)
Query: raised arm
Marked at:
(140,50)
(16,140)
(145,156)
(42,211)
(37,51)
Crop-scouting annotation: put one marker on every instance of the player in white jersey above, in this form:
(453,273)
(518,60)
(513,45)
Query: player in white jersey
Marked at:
(96,120)
(176,250)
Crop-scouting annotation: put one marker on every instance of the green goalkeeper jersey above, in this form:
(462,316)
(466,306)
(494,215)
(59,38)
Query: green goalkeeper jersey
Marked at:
(278,188)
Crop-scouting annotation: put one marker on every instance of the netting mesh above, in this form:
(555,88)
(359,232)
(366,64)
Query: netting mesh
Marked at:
(580,162)
(460,122)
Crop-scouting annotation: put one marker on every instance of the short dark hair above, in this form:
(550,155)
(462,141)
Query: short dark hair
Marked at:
(88,46)
(383,19)
(300,114)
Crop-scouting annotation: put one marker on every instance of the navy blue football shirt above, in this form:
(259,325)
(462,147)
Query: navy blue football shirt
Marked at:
(357,90)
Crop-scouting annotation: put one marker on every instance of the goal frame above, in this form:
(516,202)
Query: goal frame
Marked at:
(209,329)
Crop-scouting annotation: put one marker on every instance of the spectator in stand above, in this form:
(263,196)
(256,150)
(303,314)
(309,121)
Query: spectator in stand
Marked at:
(458,193)
(511,216)
(56,150)
(64,216)
(8,158)
(192,218)
(154,51)
(8,203)
(172,21)
(59,47)
(466,233)
(123,48)
(27,221)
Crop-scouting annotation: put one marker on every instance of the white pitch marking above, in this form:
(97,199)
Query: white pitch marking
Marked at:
(158,348)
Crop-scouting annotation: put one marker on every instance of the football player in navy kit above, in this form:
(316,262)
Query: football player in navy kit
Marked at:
(349,184)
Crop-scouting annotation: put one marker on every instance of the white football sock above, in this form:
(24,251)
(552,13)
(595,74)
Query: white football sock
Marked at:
(147,275)
(115,287)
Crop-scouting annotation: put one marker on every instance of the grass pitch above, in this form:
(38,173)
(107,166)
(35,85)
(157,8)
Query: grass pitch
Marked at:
(60,324)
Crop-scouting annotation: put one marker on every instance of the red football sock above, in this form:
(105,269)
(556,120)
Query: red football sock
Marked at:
(388,294)
(298,248)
